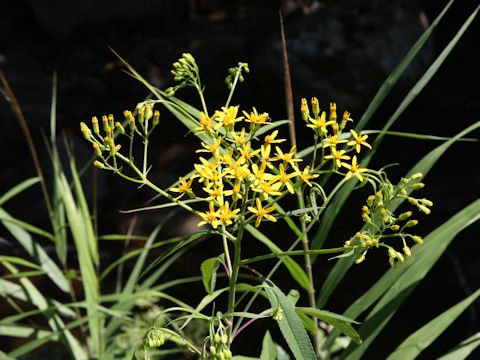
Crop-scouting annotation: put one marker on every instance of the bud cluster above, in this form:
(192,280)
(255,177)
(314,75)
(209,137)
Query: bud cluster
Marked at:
(219,348)
(236,73)
(382,224)
(185,71)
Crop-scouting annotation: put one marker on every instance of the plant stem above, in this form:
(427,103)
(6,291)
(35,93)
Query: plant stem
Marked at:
(295,253)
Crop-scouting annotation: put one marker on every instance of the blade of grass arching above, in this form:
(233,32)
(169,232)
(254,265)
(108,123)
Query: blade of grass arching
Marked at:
(19,261)
(126,303)
(88,229)
(17,189)
(411,273)
(25,226)
(54,321)
(78,226)
(464,349)
(37,253)
(416,135)
(295,270)
(412,346)
(135,253)
(381,286)
(58,211)
(331,213)
(395,75)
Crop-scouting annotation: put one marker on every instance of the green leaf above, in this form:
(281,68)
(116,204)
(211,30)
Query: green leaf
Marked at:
(412,346)
(463,350)
(398,283)
(37,253)
(209,273)
(268,348)
(292,266)
(340,322)
(17,189)
(290,325)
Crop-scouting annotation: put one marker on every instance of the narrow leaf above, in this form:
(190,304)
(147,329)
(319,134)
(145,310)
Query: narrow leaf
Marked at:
(209,273)
(268,348)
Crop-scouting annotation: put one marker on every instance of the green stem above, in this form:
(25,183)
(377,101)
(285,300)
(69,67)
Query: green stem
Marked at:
(295,253)
(235,80)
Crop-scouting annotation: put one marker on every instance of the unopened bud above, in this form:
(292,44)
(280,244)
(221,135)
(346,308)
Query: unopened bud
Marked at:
(400,256)
(405,215)
(424,209)
(96,129)
(416,176)
(96,149)
(407,252)
(148,112)
(370,200)
(99,164)
(411,223)
(392,253)
(304,110)
(277,314)
(426,202)
(360,258)
(395,227)
(418,186)
(85,131)
(315,107)
(156,117)
(333,112)
(417,239)
(104,121)
(141,115)
(111,121)
(120,128)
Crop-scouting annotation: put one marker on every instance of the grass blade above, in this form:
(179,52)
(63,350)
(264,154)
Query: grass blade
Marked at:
(463,350)
(17,189)
(412,346)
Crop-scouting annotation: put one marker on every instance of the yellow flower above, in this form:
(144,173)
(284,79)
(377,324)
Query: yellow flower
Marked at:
(333,112)
(359,140)
(210,217)
(337,156)
(270,139)
(239,139)
(355,169)
(185,187)
(226,215)
(283,178)
(211,148)
(267,188)
(265,153)
(305,175)
(207,174)
(287,158)
(217,193)
(332,141)
(227,117)
(206,123)
(255,118)
(258,173)
(262,212)
(246,152)
(320,124)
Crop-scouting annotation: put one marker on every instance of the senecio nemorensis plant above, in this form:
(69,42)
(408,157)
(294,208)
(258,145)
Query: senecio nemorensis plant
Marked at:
(245,170)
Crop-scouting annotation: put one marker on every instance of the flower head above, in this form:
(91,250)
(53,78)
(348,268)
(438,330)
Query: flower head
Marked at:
(262,212)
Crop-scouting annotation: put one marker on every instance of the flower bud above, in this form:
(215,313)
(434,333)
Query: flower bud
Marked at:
(216,339)
(96,149)
(224,339)
(391,261)
(418,186)
(120,128)
(333,112)
(104,121)
(360,258)
(417,239)
(416,176)
(156,117)
(315,107)
(99,164)
(304,110)
(148,112)
(96,129)
(400,257)
(395,227)
(111,121)
(277,314)
(424,209)
(87,133)
(370,200)
(411,223)
(405,215)
(426,202)
(154,337)
(141,115)
(392,253)
(407,252)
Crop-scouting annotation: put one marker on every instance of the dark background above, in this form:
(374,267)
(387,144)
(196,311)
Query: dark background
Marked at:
(338,50)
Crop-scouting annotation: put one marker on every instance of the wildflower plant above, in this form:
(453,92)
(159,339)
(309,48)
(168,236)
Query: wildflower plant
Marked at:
(245,169)
(244,181)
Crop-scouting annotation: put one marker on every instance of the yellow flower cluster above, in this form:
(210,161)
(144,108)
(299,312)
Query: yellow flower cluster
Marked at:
(242,172)
(329,134)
